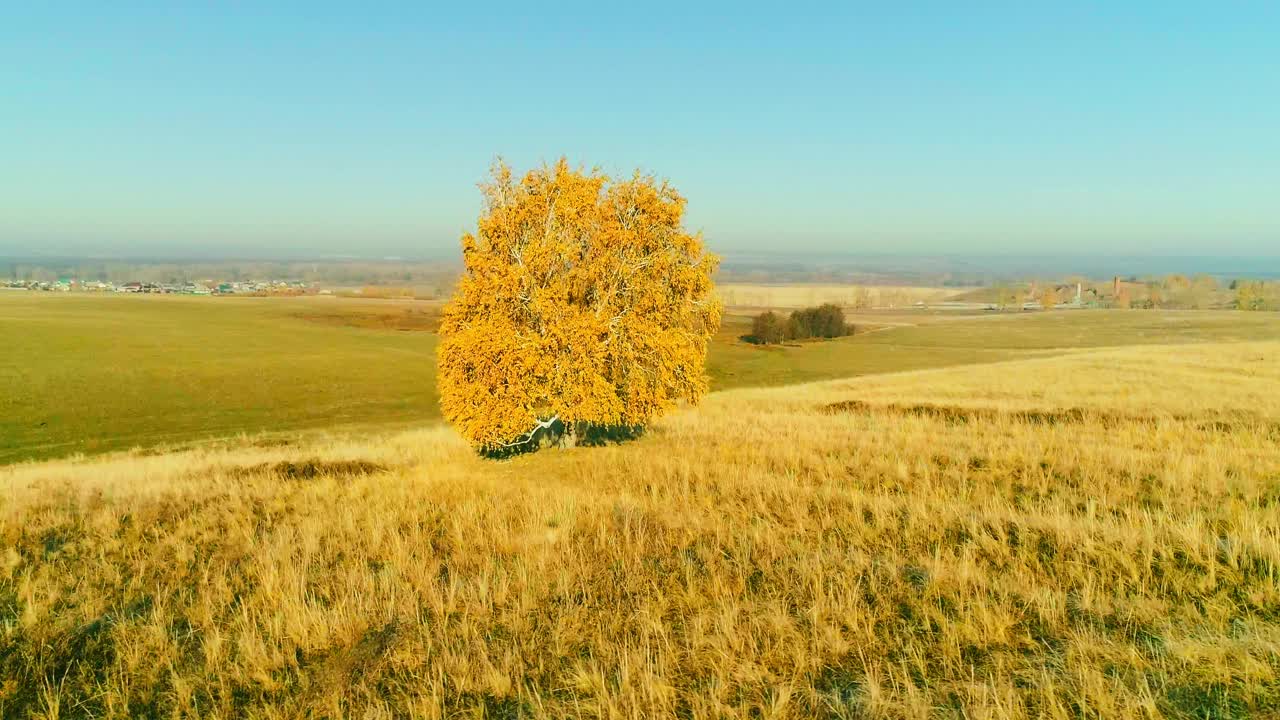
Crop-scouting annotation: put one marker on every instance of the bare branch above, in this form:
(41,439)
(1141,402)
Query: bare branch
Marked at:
(540,425)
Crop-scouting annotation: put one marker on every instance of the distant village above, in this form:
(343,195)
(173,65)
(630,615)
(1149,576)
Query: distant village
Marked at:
(1171,292)
(203,287)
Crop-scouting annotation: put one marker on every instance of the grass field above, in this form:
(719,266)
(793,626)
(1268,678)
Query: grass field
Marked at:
(900,342)
(1093,534)
(793,295)
(91,373)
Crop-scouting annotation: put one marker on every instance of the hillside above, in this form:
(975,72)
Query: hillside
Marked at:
(1092,534)
(84,373)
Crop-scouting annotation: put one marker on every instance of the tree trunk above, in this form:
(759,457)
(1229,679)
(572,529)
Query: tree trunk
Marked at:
(568,436)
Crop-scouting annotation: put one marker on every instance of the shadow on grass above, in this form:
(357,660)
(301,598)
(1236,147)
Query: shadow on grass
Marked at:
(565,435)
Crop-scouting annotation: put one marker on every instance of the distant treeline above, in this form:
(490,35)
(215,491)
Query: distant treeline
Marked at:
(1201,292)
(823,321)
(1172,292)
(351,273)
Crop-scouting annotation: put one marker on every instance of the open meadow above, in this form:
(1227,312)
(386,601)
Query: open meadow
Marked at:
(462,361)
(90,373)
(82,373)
(1090,534)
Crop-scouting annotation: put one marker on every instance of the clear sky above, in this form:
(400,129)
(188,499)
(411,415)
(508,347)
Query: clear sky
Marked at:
(362,128)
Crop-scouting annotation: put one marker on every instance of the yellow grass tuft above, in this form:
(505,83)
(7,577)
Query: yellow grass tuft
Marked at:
(1092,535)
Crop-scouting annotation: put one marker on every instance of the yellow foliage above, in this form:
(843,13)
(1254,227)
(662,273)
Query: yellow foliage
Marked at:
(583,299)
(1257,295)
(1124,299)
(1049,298)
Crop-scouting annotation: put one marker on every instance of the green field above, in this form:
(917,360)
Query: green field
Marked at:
(91,373)
(939,339)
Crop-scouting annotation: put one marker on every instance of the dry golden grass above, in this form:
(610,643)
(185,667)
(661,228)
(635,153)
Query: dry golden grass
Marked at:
(791,296)
(1096,535)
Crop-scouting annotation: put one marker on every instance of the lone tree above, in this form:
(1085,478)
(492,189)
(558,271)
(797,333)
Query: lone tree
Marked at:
(584,303)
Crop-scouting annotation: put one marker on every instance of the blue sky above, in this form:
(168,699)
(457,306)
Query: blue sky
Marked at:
(1126,128)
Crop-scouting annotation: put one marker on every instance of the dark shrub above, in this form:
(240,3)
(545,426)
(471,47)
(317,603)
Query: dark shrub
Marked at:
(828,321)
(768,329)
(798,326)
(824,321)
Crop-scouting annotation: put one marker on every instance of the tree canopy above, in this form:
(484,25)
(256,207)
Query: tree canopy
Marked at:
(583,300)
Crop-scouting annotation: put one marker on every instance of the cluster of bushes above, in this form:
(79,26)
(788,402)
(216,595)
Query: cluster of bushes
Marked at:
(824,321)
(1256,295)
(1179,292)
